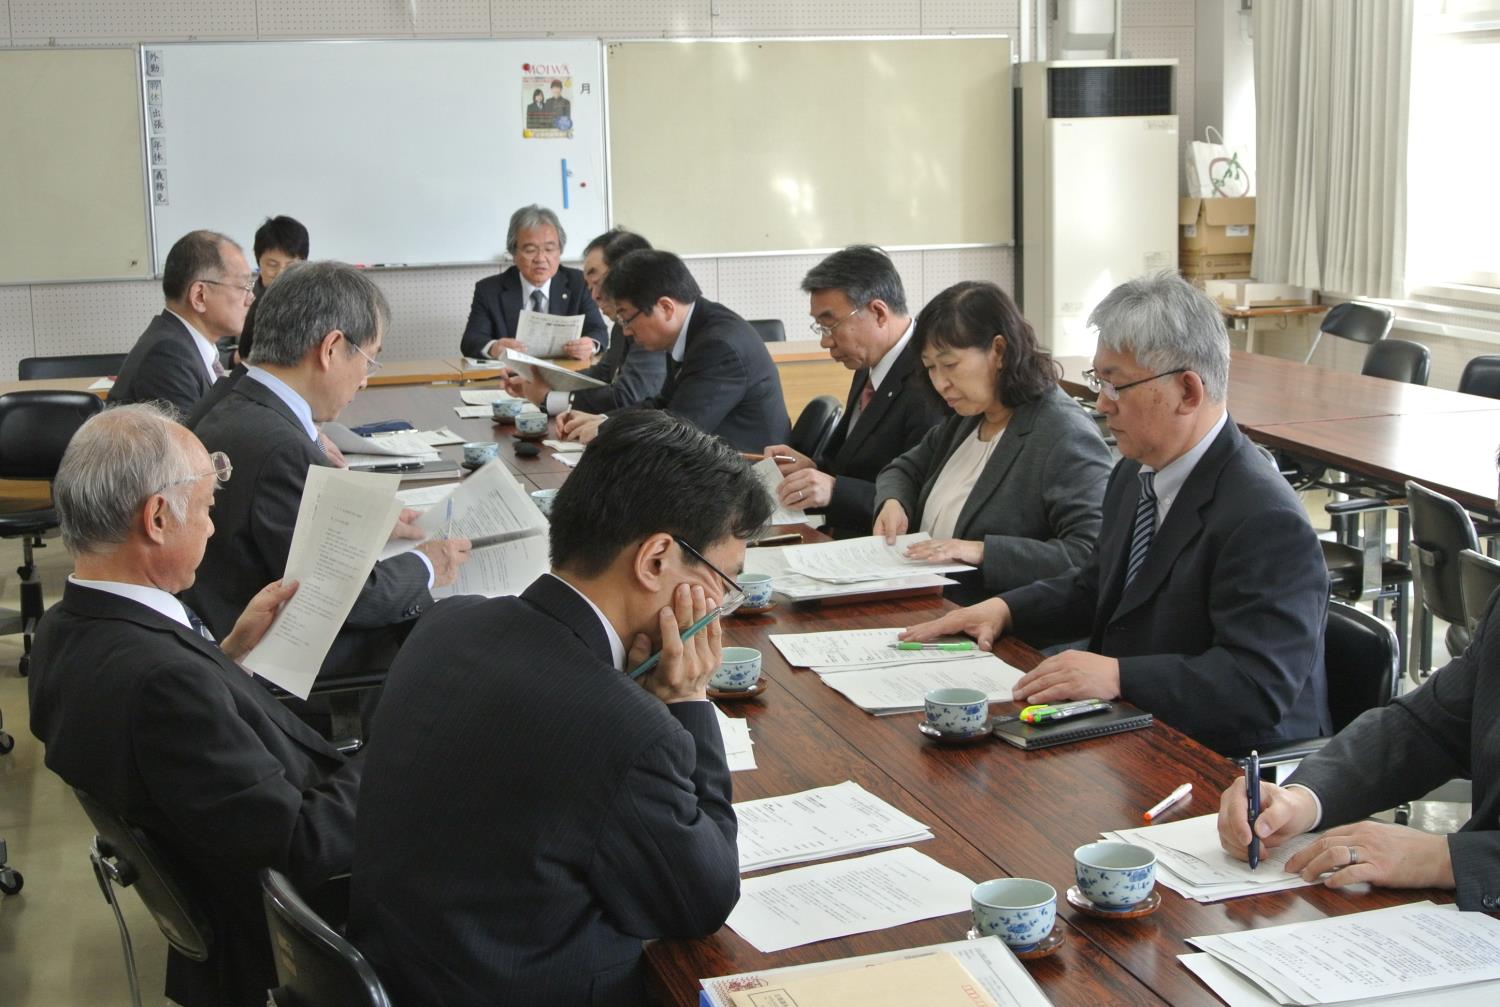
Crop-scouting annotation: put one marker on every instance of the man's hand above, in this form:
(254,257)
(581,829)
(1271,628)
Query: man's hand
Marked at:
(947,550)
(331,451)
(404,528)
(582,348)
(985,622)
(891,521)
(799,461)
(504,344)
(685,667)
(806,488)
(534,390)
(1073,674)
(1392,856)
(1285,813)
(577,426)
(447,555)
(256,619)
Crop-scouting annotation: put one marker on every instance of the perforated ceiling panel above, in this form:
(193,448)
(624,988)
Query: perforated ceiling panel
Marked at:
(428,309)
(16,339)
(345,18)
(942,268)
(92,317)
(833,17)
(1139,13)
(605,18)
(771,287)
(985,17)
(130,20)
(706,272)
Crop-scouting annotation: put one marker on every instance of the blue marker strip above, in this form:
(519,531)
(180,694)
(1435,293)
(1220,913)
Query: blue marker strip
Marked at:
(565,182)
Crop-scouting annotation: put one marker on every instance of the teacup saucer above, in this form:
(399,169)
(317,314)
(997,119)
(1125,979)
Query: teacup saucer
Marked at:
(947,738)
(518,435)
(1041,949)
(732,694)
(1145,907)
(473,467)
(756,610)
(504,421)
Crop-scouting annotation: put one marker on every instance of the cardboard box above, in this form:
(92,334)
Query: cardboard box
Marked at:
(1251,294)
(1218,226)
(1197,267)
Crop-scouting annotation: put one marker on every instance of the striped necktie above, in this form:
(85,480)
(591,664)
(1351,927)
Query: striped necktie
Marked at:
(538,302)
(199,626)
(1145,526)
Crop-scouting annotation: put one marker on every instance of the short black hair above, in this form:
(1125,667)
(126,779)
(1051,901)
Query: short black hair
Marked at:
(969,315)
(193,256)
(281,234)
(864,273)
(646,276)
(650,472)
(622,244)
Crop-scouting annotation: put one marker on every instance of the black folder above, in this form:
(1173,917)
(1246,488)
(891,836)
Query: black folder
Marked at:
(1119,717)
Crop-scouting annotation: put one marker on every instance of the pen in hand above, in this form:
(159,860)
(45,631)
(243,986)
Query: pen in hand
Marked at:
(687,634)
(1252,792)
(448,519)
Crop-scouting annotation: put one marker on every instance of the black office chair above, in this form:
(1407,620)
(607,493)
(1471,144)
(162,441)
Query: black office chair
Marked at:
(1479,577)
(314,964)
(1440,530)
(815,426)
(35,428)
(1359,323)
(1363,661)
(1481,376)
(770,330)
(123,855)
(1398,360)
(81,365)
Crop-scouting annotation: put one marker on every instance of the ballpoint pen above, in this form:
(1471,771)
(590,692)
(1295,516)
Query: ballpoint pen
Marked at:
(1252,791)
(1166,802)
(913,645)
(448,518)
(691,632)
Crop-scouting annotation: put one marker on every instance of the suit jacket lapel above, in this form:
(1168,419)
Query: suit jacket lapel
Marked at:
(510,299)
(840,435)
(558,297)
(563,603)
(261,395)
(1005,455)
(885,396)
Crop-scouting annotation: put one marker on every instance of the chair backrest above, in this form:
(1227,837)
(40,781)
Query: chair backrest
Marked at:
(1480,576)
(1363,661)
(124,855)
(35,428)
(1362,323)
(82,365)
(815,426)
(770,330)
(314,964)
(1440,530)
(1481,376)
(1398,360)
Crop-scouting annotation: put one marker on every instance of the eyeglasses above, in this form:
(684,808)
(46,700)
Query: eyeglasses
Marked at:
(222,470)
(532,251)
(372,366)
(824,331)
(248,287)
(626,323)
(1112,391)
(733,597)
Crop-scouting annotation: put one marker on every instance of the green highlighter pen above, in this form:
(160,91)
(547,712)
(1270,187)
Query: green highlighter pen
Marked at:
(953,647)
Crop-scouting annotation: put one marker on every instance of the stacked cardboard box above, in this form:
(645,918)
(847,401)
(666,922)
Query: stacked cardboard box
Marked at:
(1217,238)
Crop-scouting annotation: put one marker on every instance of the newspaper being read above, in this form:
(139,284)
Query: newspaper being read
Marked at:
(545,335)
(559,379)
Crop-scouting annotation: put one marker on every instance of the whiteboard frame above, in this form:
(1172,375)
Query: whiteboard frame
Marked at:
(609,203)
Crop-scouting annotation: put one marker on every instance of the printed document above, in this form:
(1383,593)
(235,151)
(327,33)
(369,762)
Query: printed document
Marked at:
(737,744)
(853,560)
(545,335)
(484,396)
(819,823)
(1195,866)
(401,443)
(559,379)
(937,980)
(900,689)
(855,648)
(344,519)
(796,587)
(770,477)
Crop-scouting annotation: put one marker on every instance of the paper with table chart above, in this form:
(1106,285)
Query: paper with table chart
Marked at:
(819,823)
(796,587)
(818,903)
(398,443)
(546,335)
(1193,864)
(988,960)
(1237,991)
(1399,951)
(559,379)
(855,560)
(855,648)
(884,691)
(473,412)
(770,477)
(735,731)
(344,519)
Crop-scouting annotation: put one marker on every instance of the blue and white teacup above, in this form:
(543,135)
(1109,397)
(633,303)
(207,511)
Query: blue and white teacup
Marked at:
(476,453)
(757,588)
(1019,911)
(507,409)
(1114,876)
(957,711)
(543,500)
(739,670)
(532,423)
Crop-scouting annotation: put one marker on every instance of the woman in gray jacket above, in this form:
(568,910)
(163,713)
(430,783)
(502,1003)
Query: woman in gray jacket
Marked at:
(1012,483)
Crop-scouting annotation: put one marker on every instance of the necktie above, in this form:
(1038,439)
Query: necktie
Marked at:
(1145,526)
(199,626)
(865,395)
(219,370)
(538,302)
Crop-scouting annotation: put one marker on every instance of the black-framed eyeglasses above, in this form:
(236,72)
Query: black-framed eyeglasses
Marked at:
(626,323)
(248,287)
(734,597)
(1112,391)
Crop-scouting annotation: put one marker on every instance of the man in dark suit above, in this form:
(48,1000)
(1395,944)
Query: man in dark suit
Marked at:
(1449,728)
(1205,599)
(632,374)
(858,308)
(158,723)
(518,850)
(319,331)
(539,282)
(208,287)
(719,375)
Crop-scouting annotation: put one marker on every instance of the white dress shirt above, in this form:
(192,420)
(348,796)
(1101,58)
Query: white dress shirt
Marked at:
(206,349)
(1174,474)
(153,598)
(679,348)
(883,367)
(526,289)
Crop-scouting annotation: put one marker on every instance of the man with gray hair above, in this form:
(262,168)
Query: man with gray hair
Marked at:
(537,282)
(858,309)
(146,714)
(1205,598)
(318,331)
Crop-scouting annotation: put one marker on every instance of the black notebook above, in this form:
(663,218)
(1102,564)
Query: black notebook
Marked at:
(1119,717)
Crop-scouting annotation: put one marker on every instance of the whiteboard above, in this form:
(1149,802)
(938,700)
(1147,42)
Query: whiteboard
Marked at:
(392,152)
(776,145)
(72,196)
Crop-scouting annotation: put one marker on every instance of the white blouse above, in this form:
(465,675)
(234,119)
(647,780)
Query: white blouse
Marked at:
(955,482)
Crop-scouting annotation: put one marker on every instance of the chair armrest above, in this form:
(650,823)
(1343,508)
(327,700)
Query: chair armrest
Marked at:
(1290,751)
(1359,505)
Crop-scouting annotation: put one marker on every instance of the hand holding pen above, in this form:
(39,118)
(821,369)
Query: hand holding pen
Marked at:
(1252,801)
(687,659)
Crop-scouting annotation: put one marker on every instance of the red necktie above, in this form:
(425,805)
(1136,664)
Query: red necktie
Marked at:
(865,395)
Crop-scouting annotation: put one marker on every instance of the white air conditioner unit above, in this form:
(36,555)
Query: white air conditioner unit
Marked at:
(1098,155)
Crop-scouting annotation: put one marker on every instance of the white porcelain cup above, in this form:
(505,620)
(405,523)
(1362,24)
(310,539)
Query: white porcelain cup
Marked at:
(738,671)
(1114,876)
(1019,911)
(957,711)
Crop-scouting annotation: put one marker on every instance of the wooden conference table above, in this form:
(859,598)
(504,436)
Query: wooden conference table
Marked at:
(994,810)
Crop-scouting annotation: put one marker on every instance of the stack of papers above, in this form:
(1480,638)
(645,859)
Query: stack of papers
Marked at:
(394,448)
(998,972)
(900,688)
(736,734)
(798,587)
(559,379)
(484,397)
(856,648)
(1402,955)
(825,822)
(545,335)
(770,477)
(569,458)
(819,903)
(564,447)
(1190,861)
(937,980)
(857,560)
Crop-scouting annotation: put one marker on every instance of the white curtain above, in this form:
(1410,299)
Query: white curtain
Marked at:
(1332,95)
